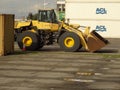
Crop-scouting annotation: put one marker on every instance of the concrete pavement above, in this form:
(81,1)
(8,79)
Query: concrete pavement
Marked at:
(54,69)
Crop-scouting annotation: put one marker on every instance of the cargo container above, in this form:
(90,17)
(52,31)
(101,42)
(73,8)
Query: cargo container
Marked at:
(89,11)
(102,16)
(6,34)
(90,1)
(108,29)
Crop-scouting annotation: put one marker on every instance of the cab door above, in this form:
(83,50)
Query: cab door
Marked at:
(43,20)
(55,23)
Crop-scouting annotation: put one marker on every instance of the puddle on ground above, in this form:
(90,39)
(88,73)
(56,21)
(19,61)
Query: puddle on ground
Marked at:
(98,74)
(79,80)
(105,68)
(85,73)
(88,74)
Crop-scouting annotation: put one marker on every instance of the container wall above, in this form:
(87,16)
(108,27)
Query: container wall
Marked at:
(109,29)
(1,35)
(7,34)
(93,11)
(97,1)
(101,15)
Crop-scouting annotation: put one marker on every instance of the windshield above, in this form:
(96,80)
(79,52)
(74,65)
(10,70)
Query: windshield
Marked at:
(47,16)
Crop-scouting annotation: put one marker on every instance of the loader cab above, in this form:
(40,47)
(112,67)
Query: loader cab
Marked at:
(47,16)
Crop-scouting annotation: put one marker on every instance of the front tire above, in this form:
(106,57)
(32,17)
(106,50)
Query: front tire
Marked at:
(28,40)
(69,42)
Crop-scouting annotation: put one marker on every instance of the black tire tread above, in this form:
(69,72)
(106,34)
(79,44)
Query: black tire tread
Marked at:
(76,38)
(35,44)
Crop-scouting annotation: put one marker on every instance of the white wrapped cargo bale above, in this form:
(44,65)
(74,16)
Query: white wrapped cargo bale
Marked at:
(102,15)
(108,29)
(97,1)
(90,11)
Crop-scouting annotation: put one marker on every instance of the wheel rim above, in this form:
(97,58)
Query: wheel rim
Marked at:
(69,42)
(27,41)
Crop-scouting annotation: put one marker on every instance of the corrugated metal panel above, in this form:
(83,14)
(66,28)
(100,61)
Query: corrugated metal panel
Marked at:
(105,1)
(108,29)
(105,11)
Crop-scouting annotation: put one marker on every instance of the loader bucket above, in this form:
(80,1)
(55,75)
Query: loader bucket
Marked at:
(95,41)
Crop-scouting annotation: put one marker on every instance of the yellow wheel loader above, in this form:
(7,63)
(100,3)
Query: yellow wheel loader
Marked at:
(34,34)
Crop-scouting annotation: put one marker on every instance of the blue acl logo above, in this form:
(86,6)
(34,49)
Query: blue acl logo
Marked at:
(101,28)
(101,11)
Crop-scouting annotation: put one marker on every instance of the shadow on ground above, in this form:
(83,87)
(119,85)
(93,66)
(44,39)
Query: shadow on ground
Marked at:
(19,52)
(107,51)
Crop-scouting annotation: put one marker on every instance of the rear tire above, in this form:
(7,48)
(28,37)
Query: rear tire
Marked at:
(28,40)
(69,42)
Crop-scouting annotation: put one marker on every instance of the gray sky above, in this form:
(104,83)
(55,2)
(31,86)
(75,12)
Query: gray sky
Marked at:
(22,7)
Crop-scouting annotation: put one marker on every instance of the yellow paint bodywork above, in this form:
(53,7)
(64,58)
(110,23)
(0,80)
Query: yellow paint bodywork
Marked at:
(87,38)
(27,41)
(46,25)
(79,33)
(69,42)
(91,41)
(55,27)
(39,25)
(19,24)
